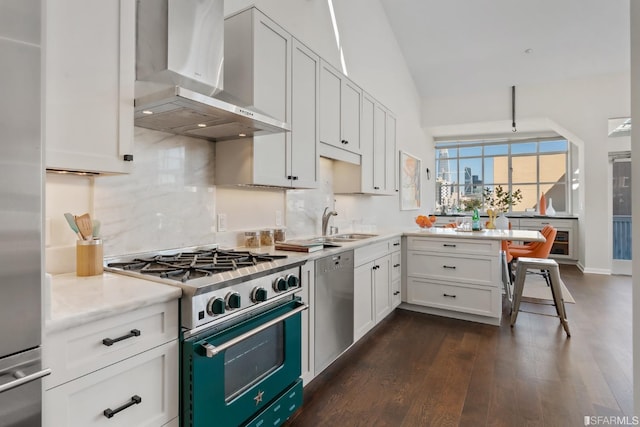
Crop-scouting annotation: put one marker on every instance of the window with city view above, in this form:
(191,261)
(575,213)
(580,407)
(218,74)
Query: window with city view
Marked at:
(465,169)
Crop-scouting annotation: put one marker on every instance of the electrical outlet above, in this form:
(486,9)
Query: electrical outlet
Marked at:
(278,218)
(222,222)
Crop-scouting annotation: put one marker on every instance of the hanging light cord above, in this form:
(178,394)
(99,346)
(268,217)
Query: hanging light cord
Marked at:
(513,109)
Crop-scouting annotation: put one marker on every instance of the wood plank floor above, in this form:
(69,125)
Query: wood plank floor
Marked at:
(415,369)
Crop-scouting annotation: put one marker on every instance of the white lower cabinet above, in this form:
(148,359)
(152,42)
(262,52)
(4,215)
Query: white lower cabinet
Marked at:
(138,391)
(122,370)
(363,310)
(396,278)
(374,278)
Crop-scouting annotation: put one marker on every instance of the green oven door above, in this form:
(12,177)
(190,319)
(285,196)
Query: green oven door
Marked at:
(229,387)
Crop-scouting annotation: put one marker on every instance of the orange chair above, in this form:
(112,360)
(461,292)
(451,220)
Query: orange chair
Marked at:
(531,245)
(541,250)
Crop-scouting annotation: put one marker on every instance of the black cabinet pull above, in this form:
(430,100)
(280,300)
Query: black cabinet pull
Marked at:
(448,245)
(376,188)
(289,177)
(396,265)
(396,244)
(396,292)
(110,341)
(128,157)
(109,413)
(295,178)
(451,267)
(448,296)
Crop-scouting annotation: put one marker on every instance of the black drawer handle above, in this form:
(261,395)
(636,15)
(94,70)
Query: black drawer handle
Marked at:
(396,244)
(110,341)
(448,296)
(450,267)
(109,413)
(376,188)
(295,178)
(376,267)
(448,245)
(396,265)
(396,292)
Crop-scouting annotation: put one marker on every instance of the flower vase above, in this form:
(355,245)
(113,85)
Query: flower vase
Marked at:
(550,210)
(502,222)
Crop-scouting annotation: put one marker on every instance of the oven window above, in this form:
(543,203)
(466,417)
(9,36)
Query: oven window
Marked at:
(249,361)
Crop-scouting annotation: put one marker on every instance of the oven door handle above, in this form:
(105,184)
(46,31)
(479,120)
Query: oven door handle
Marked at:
(212,350)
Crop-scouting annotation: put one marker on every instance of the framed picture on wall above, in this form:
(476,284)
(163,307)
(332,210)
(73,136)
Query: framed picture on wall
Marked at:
(410,167)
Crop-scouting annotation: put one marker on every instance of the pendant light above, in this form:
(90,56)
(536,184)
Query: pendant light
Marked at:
(513,109)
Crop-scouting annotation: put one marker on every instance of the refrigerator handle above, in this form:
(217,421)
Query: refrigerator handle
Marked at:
(24,379)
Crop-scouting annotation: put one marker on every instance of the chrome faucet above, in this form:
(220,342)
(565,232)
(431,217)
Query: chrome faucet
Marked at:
(325,219)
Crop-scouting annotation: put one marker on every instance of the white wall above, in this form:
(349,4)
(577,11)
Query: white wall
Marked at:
(580,109)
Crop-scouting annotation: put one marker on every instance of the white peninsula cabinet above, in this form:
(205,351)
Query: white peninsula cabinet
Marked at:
(89,63)
(266,68)
(118,368)
(374,281)
(340,115)
(454,277)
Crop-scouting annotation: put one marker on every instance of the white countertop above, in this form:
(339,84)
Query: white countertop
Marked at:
(77,300)
(520,235)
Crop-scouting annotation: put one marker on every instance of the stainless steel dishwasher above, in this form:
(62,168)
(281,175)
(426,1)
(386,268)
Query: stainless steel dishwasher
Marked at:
(333,307)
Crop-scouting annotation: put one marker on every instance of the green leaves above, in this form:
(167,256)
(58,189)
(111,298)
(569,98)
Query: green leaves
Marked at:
(500,198)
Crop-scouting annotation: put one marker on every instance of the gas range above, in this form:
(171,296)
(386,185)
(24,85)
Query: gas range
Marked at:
(217,285)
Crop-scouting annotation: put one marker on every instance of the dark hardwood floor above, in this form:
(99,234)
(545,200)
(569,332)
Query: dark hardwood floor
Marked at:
(420,370)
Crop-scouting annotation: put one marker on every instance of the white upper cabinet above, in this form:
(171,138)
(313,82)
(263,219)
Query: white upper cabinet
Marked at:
(303,168)
(340,110)
(266,70)
(377,170)
(89,57)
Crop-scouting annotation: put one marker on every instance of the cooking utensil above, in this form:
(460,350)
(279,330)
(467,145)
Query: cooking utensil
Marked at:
(72,223)
(85,227)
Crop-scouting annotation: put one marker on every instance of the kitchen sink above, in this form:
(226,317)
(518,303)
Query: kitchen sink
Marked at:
(349,237)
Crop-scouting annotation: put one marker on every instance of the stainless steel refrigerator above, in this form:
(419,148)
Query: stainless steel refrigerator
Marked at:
(21,188)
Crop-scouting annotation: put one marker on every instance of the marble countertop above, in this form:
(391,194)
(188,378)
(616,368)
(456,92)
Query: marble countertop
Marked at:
(76,300)
(519,235)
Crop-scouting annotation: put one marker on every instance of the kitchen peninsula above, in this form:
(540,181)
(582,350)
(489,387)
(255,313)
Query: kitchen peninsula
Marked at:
(457,274)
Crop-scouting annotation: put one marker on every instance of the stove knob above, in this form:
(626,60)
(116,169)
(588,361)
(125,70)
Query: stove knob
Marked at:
(215,306)
(292,281)
(280,285)
(233,300)
(259,295)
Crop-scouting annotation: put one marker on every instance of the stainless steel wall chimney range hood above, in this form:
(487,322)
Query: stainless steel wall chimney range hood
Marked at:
(179,74)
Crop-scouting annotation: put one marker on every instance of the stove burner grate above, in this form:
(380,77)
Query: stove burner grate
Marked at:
(184,266)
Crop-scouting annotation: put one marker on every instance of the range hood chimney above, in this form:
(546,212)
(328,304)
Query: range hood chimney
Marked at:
(179,74)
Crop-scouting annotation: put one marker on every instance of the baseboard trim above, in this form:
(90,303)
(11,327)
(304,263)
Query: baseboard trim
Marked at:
(603,271)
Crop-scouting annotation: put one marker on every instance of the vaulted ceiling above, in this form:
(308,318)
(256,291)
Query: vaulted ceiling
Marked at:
(465,46)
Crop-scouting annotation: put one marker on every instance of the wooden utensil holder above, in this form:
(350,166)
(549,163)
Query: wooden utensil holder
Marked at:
(89,255)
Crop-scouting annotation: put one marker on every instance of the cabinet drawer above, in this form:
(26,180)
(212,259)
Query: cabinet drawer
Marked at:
(395,244)
(479,270)
(370,252)
(464,298)
(80,350)
(453,246)
(538,224)
(152,376)
(396,266)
